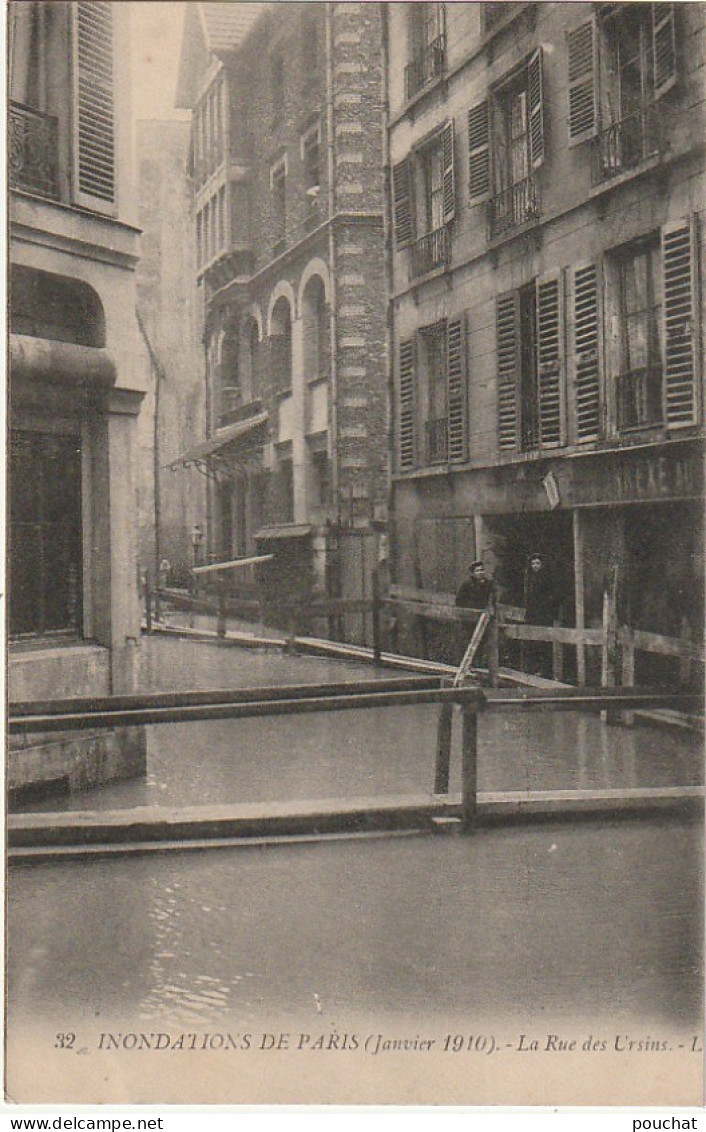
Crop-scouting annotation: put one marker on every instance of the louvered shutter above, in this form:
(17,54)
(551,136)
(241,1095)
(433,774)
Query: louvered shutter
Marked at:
(94,109)
(479,150)
(586,353)
(406,439)
(535,96)
(664,46)
(549,361)
(447,144)
(402,203)
(456,391)
(508,362)
(680,315)
(583,117)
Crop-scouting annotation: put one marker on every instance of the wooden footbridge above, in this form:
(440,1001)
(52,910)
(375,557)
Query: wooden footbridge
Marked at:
(32,835)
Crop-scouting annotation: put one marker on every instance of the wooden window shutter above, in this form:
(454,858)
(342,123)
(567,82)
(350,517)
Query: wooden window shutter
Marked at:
(664,47)
(479,149)
(680,313)
(535,93)
(447,143)
(406,438)
(550,361)
(583,115)
(586,351)
(402,203)
(456,394)
(508,362)
(94,108)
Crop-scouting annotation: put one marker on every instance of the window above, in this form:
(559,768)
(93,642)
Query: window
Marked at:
(427,39)
(43,77)
(433,364)
(619,67)
(432,408)
(317,341)
(424,198)
(311,168)
(285,488)
(278,182)
(506,148)
(320,477)
(229,374)
(651,291)
(281,347)
(639,387)
(45,534)
(529,367)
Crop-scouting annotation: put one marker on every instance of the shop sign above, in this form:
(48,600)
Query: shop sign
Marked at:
(633,478)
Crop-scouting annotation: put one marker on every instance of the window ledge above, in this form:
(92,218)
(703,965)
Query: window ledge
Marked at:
(20,648)
(640,170)
(535,224)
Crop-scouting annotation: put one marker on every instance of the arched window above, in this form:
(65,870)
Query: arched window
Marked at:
(229,372)
(317,350)
(281,346)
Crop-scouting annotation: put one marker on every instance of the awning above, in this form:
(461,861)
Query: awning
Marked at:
(209,456)
(289,530)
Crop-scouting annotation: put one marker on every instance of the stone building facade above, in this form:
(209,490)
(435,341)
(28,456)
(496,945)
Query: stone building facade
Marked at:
(287,143)
(75,383)
(170,502)
(546,168)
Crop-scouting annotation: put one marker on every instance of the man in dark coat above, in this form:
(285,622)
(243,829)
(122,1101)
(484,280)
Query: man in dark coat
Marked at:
(477,591)
(541,608)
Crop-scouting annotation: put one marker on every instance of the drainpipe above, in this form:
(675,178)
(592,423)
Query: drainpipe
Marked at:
(389,319)
(333,327)
(207,411)
(158,371)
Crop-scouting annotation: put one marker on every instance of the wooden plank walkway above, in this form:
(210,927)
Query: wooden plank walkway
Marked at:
(76,833)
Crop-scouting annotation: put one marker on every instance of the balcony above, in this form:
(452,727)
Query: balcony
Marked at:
(437,447)
(626,144)
(33,151)
(426,66)
(639,398)
(517,205)
(430,252)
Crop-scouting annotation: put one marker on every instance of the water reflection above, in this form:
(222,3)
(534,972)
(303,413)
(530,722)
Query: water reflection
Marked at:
(601,918)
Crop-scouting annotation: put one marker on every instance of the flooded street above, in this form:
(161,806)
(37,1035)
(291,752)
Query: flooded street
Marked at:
(592,928)
(368,752)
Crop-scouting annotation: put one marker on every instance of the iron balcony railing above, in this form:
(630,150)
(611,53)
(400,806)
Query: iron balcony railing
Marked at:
(640,397)
(33,151)
(514,206)
(437,441)
(429,252)
(624,145)
(427,64)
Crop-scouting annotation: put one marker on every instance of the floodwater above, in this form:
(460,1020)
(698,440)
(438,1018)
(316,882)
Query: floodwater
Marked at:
(592,929)
(365,753)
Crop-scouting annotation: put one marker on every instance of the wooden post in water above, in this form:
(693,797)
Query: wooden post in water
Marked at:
(557,658)
(443,745)
(221,624)
(376,618)
(469,766)
(609,649)
(493,647)
(627,674)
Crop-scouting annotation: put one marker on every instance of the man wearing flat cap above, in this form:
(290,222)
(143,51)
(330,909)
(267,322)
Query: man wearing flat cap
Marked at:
(476,591)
